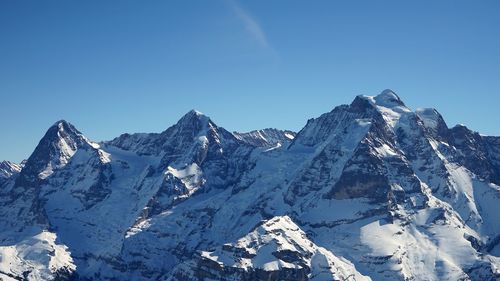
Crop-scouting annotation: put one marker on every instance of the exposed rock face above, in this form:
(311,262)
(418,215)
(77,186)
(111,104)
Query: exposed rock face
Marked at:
(266,137)
(53,152)
(368,191)
(473,152)
(8,170)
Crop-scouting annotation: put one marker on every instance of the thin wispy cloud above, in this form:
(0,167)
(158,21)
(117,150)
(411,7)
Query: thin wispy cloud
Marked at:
(251,25)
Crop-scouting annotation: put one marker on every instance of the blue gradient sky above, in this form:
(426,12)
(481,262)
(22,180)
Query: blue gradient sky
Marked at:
(111,67)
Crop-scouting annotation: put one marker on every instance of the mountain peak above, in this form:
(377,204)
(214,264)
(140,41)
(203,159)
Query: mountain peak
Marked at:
(62,127)
(388,98)
(61,122)
(193,116)
(196,112)
(388,92)
(191,124)
(58,145)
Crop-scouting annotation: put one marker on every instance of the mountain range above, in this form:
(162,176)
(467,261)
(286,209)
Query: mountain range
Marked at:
(368,191)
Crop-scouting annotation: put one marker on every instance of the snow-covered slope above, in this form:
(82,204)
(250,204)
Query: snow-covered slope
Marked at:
(36,258)
(277,249)
(368,191)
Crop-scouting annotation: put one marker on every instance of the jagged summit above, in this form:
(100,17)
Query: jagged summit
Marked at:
(7,169)
(63,129)
(193,121)
(193,113)
(268,137)
(196,112)
(54,150)
(9,164)
(62,122)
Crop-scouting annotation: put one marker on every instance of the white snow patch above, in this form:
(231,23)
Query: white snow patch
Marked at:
(39,255)
(191,176)
(385,151)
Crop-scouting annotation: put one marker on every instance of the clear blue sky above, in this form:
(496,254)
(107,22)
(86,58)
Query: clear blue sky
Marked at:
(111,67)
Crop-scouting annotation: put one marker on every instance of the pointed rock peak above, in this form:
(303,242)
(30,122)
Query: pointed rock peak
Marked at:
(196,112)
(192,124)
(362,103)
(63,135)
(62,129)
(58,145)
(62,122)
(193,116)
(388,99)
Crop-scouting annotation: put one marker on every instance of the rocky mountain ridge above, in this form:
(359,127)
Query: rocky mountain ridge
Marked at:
(368,191)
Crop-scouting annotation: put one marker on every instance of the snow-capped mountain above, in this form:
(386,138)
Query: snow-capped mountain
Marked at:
(368,191)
